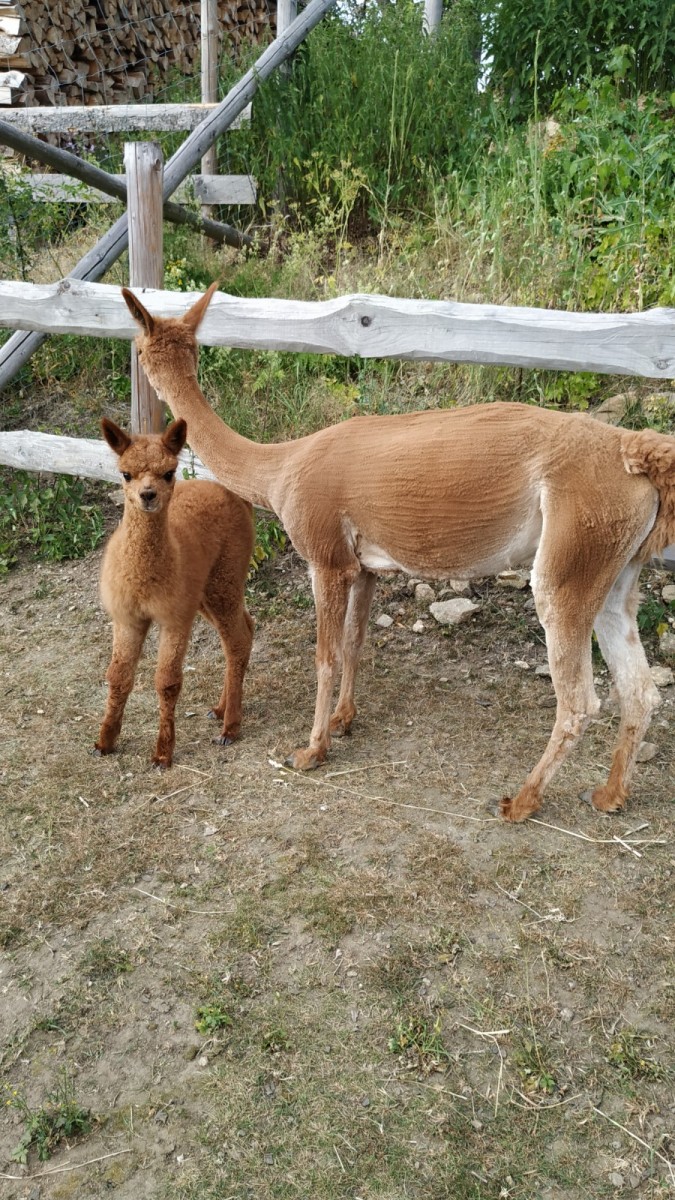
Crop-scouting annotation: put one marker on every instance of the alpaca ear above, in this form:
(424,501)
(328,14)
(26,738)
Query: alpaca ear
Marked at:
(117,439)
(174,437)
(193,316)
(138,312)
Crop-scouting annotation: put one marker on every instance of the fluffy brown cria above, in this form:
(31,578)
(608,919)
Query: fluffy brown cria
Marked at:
(456,493)
(180,549)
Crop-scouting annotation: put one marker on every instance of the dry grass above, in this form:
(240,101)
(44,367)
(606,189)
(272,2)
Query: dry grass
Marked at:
(525,973)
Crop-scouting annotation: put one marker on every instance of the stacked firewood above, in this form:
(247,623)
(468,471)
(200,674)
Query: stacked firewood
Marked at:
(112,51)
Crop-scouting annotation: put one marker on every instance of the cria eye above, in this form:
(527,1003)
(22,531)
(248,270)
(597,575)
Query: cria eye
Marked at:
(169,476)
(126,476)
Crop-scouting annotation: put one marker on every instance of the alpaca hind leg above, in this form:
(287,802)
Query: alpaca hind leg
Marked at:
(331,596)
(127,646)
(236,637)
(355,629)
(168,683)
(619,639)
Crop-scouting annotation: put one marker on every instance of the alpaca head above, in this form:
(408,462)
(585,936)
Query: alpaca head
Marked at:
(147,463)
(167,346)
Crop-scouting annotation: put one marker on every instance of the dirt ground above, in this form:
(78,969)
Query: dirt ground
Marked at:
(354,983)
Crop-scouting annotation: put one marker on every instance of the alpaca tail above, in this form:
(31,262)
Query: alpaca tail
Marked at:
(645,452)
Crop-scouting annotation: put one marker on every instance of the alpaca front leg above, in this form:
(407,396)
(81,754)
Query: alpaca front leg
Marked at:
(127,645)
(168,683)
(331,595)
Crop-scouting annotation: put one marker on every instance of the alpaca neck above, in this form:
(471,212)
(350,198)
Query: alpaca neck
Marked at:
(147,537)
(246,468)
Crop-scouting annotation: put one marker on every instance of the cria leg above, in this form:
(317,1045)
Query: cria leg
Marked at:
(331,595)
(168,682)
(619,640)
(127,646)
(236,635)
(355,629)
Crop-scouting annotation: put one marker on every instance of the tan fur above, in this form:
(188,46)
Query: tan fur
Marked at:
(459,493)
(181,548)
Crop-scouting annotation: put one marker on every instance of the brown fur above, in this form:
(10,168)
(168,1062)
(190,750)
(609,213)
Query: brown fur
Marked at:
(459,493)
(181,548)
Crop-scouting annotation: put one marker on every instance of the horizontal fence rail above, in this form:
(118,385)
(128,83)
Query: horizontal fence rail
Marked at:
(369,326)
(87,457)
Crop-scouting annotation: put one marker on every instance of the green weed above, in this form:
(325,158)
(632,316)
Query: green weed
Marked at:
(418,1042)
(54,518)
(106,959)
(534,1067)
(627,1053)
(211,1019)
(60,1117)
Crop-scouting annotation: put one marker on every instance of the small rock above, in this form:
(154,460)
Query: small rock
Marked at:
(419,627)
(613,410)
(365,1102)
(668,593)
(646,752)
(543,669)
(424,594)
(160,1117)
(203,1061)
(662,676)
(461,586)
(269,1160)
(477,1125)
(566,1014)
(412,584)
(117,497)
(520,662)
(616,1179)
(384,621)
(667,644)
(514,579)
(453,612)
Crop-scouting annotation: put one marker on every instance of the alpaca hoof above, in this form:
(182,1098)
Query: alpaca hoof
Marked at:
(161,764)
(604,801)
(101,751)
(223,740)
(214,715)
(512,811)
(305,760)
(340,728)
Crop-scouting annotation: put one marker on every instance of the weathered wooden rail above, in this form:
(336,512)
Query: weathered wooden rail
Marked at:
(369,326)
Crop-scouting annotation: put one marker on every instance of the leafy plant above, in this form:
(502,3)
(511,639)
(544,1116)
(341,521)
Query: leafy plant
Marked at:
(652,616)
(269,537)
(52,517)
(211,1018)
(627,1053)
(534,1068)
(60,1117)
(419,1042)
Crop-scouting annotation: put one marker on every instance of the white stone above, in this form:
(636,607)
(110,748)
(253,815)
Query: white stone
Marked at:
(668,593)
(384,621)
(646,752)
(461,586)
(514,579)
(452,612)
(662,676)
(667,644)
(424,594)
(419,627)
(543,669)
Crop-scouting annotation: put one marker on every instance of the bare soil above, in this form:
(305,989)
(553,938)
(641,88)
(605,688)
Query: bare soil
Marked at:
(398,995)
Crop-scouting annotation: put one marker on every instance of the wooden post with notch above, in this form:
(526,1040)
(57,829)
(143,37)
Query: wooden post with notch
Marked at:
(144,171)
(209,46)
(433,11)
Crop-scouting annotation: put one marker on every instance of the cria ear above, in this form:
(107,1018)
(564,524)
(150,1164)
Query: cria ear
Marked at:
(193,316)
(117,439)
(174,437)
(138,312)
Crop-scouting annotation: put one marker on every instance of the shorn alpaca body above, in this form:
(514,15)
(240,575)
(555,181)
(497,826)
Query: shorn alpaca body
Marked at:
(462,493)
(180,549)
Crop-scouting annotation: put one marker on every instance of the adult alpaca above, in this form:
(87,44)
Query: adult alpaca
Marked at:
(462,493)
(180,549)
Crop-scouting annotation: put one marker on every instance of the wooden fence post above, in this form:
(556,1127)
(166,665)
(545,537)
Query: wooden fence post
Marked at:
(209,44)
(144,171)
(287,11)
(433,11)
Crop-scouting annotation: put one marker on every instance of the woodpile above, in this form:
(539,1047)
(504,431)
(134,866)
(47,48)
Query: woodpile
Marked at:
(112,51)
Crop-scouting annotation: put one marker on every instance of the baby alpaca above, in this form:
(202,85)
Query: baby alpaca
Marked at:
(180,549)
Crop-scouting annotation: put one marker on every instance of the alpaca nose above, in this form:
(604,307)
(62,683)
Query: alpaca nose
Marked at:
(147,495)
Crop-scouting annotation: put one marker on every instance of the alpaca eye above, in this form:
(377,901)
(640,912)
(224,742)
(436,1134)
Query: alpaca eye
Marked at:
(169,476)
(126,476)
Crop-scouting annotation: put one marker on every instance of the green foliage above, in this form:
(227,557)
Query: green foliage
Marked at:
(418,1041)
(46,1127)
(367,109)
(534,1068)
(269,537)
(106,960)
(652,616)
(534,50)
(628,1053)
(211,1019)
(51,517)
(27,224)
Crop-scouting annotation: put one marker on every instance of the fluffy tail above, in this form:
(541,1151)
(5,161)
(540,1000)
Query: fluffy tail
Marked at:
(645,452)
